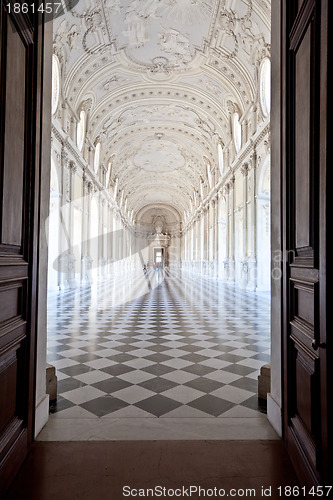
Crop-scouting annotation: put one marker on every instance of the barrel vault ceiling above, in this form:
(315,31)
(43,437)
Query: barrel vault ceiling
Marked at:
(158,79)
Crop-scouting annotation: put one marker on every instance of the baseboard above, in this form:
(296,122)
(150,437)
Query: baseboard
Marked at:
(274,414)
(41,414)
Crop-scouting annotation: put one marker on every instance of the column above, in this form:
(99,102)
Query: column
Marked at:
(115,236)
(211,238)
(202,240)
(216,235)
(205,240)
(85,228)
(192,244)
(231,210)
(252,225)
(62,225)
(65,234)
(109,237)
(197,231)
(104,235)
(89,262)
(227,234)
(244,273)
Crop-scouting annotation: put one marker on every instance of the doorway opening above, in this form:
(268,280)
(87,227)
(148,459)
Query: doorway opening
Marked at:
(187,193)
(159,258)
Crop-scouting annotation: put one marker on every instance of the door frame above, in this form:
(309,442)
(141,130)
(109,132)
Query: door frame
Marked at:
(41,407)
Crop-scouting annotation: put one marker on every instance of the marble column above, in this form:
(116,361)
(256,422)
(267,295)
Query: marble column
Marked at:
(108,237)
(244,271)
(194,236)
(224,226)
(89,260)
(104,236)
(252,227)
(115,236)
(202,241)
(215,235)
(211,237)
(192,245)
(231,211)
(65,242)
(71,256)
(85,259)
(206,244)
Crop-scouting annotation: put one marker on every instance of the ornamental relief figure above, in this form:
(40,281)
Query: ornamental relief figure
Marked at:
(176,45)
(137,19)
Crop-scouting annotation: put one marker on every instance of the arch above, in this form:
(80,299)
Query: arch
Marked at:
(147,208)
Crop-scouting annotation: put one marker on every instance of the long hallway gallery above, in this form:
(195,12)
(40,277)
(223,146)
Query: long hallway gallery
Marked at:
(164,203)
(158,344)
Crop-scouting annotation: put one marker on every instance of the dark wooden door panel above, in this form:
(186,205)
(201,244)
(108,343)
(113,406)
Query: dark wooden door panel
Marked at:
(304,387)
(14,146)
(19,170)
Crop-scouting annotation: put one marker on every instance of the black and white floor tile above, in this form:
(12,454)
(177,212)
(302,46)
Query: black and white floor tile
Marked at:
(157,345)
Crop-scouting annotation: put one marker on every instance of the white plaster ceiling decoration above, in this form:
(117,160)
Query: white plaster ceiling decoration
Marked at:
(159,156)
(159,76)
(148,115)
(160,35)
(158,197)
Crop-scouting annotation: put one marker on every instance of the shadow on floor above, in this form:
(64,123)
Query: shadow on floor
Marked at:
(100,470)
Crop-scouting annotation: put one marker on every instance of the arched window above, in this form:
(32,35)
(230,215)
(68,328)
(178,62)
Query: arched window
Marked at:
(209,174)
(121,198)
(220,153)
(97,156)
(108,173)
(265,87)
(236,132)
(81,130)
(202,190)
(55,83)
(115,189)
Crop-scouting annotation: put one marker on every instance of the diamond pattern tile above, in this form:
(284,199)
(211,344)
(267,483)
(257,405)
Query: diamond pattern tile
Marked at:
(189,347)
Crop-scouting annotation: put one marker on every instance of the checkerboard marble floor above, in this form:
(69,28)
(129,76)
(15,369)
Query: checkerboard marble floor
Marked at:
(162,345)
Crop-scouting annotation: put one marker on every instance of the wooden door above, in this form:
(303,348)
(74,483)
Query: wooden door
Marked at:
(20,108)
(304,152)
